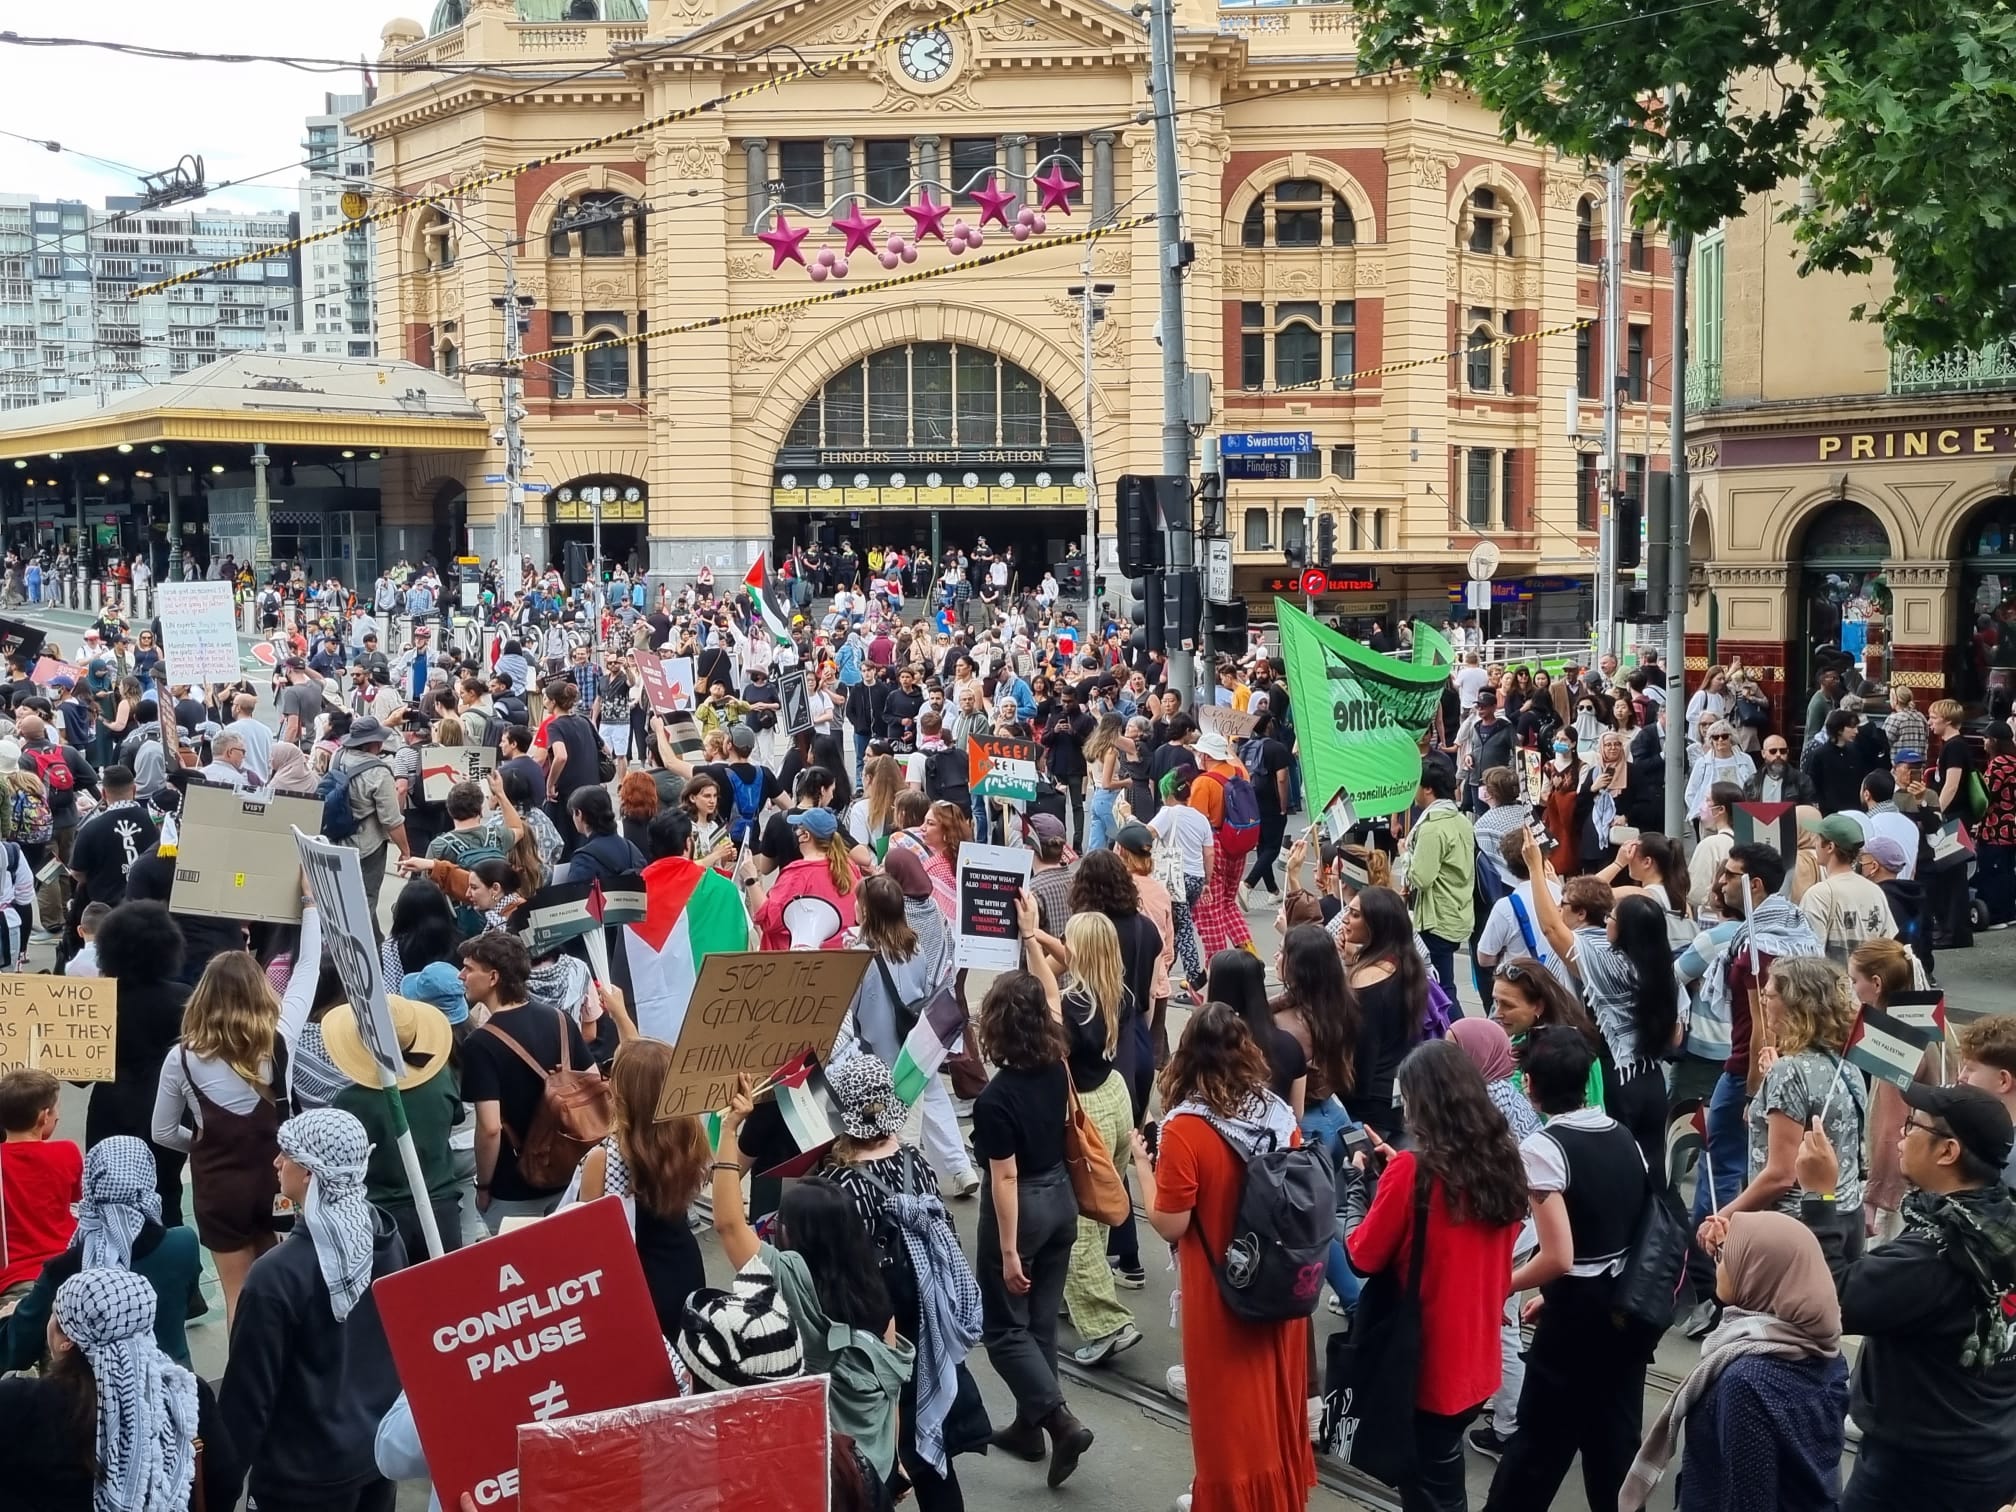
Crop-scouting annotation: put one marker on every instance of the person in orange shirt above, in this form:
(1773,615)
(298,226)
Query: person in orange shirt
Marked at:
(1223,794)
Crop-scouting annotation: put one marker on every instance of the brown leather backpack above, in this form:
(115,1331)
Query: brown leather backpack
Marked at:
(573,1116)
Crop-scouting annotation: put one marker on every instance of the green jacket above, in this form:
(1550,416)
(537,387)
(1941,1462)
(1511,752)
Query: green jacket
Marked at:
(868,1375)
(170,1263)
(432,1108)
(1442,873)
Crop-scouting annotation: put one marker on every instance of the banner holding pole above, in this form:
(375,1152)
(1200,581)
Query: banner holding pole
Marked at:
(335,879)
(1360,716)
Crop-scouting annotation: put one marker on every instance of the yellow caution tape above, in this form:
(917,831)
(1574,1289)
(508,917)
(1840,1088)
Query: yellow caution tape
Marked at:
(503,175)
(1411,363)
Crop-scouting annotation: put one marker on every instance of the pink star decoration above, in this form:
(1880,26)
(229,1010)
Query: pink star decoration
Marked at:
(782,240)
(927,217)
(993,201)
(859,230)
(1056,188)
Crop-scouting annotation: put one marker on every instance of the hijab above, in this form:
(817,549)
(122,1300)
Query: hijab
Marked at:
(120,1198)
(146,1441)
(1488,1046)
(332,1147)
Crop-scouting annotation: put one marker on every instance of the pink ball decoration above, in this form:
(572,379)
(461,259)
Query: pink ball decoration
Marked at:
(896,244)
(817,272)
(909,253)
(1039,223)
(839,267)
(957,244)
(1025,216)
(1020,231)
(889,259)
(825,257)
(976,237)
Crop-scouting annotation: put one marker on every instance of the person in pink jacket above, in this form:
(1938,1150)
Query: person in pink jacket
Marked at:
(823,872)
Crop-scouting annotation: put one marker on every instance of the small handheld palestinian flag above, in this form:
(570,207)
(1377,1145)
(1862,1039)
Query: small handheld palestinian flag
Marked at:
(1887,1048)
(794,1124)
(924,1049)
(1772,824)
(756,586)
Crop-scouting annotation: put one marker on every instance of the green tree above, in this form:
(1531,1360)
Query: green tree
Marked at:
(1901,115)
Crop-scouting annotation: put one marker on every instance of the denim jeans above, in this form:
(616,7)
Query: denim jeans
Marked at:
(981,825)
(1324,1123)
(1728,1146)
(1442,956)
(1100,828)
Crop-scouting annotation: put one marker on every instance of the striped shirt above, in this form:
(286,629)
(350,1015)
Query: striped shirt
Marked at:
(1610,988)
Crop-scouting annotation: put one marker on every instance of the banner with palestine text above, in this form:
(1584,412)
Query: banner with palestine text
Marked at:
(1359,715)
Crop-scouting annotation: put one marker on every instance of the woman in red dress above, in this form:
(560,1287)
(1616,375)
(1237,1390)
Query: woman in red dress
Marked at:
(1252,1445)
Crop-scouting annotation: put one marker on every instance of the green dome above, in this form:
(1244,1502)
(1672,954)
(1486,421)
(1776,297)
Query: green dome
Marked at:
(449,13)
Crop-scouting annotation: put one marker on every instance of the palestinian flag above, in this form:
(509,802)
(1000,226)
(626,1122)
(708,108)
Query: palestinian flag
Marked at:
(924,1050)
(757,586)
(1772,824)
(1887,1047)
(690,911)
(794,1123)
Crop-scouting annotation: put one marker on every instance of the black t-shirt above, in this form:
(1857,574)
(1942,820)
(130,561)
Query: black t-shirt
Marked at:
(491,1072)
(535,774)
(1085,1027)
(1957,754)
(1286,1064)
(1273,760)
(108,843)
(578,737)
(45,1457)
(1020,1117)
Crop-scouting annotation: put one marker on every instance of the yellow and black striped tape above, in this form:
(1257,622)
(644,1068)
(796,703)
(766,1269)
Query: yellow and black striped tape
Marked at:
(1023,249)
(502,175)
(1315,385)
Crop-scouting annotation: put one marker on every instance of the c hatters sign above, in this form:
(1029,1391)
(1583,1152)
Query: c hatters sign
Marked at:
(1908,441)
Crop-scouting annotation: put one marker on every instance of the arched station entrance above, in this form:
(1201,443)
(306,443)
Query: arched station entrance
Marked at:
(1841,556)
(571,516)
(933,444)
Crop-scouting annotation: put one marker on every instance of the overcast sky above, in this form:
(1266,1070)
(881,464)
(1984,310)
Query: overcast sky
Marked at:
(243,119)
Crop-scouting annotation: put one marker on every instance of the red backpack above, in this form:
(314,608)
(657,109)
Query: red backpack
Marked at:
(53,767)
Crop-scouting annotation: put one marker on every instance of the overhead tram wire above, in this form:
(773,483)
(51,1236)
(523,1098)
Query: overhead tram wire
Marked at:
(627,133)
(305,64)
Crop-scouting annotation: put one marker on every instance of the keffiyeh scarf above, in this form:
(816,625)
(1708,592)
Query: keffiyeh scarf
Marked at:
(331,1146)
(119,1198)
(146,1402)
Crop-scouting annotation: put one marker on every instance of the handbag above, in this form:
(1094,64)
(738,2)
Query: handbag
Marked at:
(967,1428)
(1370,1374)
(1101,1194)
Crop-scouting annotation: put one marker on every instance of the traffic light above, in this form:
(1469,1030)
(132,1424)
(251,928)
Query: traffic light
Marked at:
(1626,518)
(1183,609)
(1326,539)
(1631,598)
(1658,541)
(1228,629)
(1144,506)
(1144,615)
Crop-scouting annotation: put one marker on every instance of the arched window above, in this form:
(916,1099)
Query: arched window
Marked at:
(1641,261)
(1585,230)
(448,15)
(437,240)
(607,369)
(596,220)
(1487,217)
(1298,355)
(933,394)
(1477,362)
(1298,207)
(583,10)
(448,361)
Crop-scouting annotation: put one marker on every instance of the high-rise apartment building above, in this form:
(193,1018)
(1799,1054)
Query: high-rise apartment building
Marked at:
(337,313)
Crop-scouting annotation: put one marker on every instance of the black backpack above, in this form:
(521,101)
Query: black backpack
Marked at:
(1270,1268)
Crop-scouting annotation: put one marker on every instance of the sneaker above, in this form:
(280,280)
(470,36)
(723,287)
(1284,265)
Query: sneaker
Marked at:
(1176,1383)
(1245,897)
(1183,1502)
(41,937)
(1315,1410)
(963,1185)
(1133,1277)
(1487,1441)
(1099,1351)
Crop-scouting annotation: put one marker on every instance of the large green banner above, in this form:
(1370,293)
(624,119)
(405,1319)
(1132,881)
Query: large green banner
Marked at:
(1431,646)
(1359,715)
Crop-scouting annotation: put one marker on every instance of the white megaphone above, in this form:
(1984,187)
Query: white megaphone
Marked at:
(811,922)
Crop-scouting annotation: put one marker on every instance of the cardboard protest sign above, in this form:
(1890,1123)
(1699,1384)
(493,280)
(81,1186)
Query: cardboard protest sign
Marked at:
(680,732)
(545,1322)
(1001,766)
(335,875)
(1234,724)
(48,668)
(794,700)
(1887,1048)
(64,1025)
(1360,716)
(199,631)
(441,767)
(20,641)
(616,1461)
(236,858)
(990,877)
(753,1010)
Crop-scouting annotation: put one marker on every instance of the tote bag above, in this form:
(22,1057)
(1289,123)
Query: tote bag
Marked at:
(1101,1195)
(1370,1374)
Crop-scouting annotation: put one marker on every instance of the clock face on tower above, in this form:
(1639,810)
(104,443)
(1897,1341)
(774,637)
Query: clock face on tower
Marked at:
(925,56)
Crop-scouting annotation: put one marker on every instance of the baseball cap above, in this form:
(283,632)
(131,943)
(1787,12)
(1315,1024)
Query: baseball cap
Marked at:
(742,738)
(819,821)
(1835,829)
(1137,838)
(1885,852)
(1046,826)
(1977,1118)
